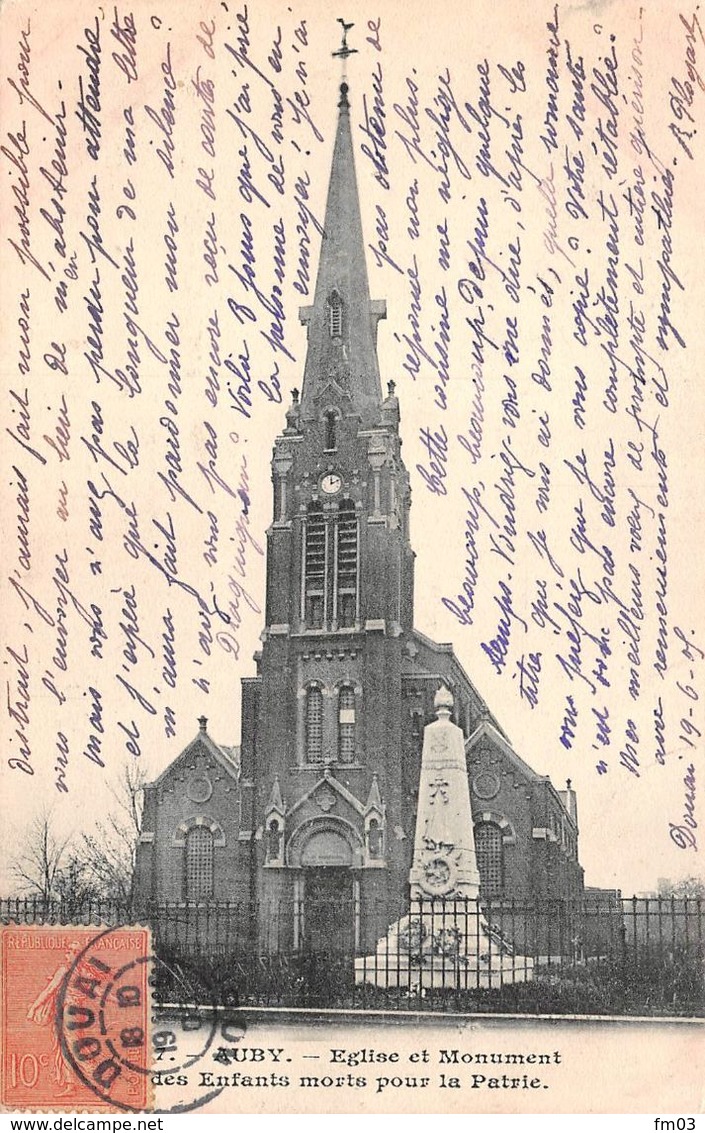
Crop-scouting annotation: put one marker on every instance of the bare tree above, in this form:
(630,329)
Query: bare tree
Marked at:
(94,865)
(106,855)
(74,885)
(687,887)
(39,865)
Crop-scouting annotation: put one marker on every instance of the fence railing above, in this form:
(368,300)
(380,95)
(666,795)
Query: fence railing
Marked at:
(606,957)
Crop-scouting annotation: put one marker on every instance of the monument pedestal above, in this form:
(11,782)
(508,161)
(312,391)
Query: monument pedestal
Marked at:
(444,941)
(442,946)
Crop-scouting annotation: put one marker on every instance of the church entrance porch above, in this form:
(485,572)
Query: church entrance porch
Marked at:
(326,931)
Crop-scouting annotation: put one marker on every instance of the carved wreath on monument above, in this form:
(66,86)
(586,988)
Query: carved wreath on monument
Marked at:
(446,942)
(437,874)
(413,934)
(421,944)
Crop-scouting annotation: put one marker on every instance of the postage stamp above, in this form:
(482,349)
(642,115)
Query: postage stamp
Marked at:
(76,1014)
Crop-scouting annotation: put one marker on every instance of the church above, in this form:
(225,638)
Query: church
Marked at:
(308,826)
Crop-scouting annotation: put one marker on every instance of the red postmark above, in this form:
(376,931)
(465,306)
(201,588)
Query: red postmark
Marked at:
(75,1017)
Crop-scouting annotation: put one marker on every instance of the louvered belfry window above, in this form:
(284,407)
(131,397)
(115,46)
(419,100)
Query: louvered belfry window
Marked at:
(199,864)
(314,726)
(330,431)
(346,725)
(347,564)
(335,315)
(315,567)
(489,849)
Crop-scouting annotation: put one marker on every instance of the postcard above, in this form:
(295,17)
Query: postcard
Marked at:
(352,589)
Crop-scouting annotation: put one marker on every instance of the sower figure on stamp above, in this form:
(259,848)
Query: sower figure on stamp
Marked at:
(43,1013)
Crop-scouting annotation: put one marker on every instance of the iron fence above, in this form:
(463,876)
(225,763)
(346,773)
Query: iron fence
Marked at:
(633,956)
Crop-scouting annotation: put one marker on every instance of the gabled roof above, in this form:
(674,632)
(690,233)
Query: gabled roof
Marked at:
(446,649)
(486,729)
(227,757)
(329,780)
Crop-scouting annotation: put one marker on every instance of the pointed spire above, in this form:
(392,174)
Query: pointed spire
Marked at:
(342,322)
(374,800)
(275,799)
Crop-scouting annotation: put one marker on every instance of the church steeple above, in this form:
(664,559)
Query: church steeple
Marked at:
(339,559)
(341,358)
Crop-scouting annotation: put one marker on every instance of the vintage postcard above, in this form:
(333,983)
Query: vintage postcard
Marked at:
(353,633)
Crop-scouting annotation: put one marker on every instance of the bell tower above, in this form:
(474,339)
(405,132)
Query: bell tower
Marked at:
(321,746)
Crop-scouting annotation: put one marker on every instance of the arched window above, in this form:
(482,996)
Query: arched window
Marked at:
(274,841)
(314,726)
(330,424)
(489,848)
(315,566)
(374,839)
(335,315)
(346,725)
(347,564)
(199,863)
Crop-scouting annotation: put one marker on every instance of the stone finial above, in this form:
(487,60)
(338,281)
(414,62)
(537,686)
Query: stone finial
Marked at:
(293,413)
(390,406)
(202,723)
(443,703)
(568,784)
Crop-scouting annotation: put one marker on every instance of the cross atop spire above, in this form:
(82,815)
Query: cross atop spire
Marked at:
(343,51)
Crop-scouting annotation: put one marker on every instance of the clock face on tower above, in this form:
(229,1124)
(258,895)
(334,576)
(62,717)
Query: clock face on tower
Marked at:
(331,483)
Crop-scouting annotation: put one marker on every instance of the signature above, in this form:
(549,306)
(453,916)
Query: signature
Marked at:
(684,835)
(682,91)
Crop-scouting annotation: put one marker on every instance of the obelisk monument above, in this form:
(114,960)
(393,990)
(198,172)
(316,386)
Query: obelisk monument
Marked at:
(444,941)
(444,863)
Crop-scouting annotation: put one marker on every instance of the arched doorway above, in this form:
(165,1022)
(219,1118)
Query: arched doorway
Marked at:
(328,891)
(329,911)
